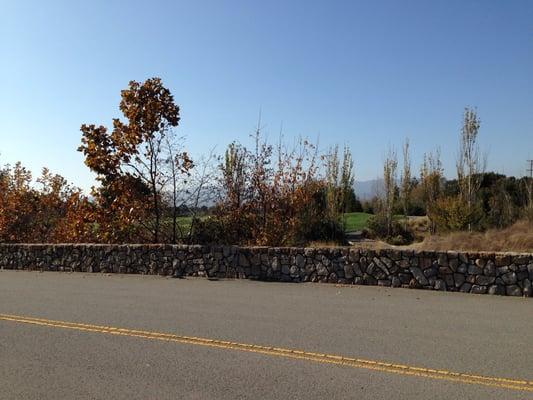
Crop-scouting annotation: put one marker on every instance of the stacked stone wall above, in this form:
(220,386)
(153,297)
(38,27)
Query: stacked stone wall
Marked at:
(493,273)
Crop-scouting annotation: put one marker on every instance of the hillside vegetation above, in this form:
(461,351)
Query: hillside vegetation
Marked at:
(517,237)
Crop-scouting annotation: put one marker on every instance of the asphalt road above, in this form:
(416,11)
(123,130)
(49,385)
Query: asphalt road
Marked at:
(478,335)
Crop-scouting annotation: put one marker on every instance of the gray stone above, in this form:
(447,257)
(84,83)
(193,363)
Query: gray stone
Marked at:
(375,271)
(443,260)
(452,254)
(513,290)
(381,265)
(353,256)
(243,261)
(465,287)
(357,270)
(496,289)
(509,278)
(503,270)
(405,278)
(388,262)
(459,280)
(490,269)
(454,264)
(449,281)
(425,262)
(480,262)
(369,280)
(445,271)
(430,272)
(294,271)
(396,282)
(414,284)
(521,275)
(520,260)
(527,288)
(478,289)
(462,269)
(440,285)
(404,263)
(348,271)
(475,270)
(321,270)
(485,280)
(502,260)
(419,276)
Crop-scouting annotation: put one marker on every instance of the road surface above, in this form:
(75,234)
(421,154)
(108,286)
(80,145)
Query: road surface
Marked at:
(93,336)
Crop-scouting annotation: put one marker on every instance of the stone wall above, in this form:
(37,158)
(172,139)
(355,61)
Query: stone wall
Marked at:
(494,273)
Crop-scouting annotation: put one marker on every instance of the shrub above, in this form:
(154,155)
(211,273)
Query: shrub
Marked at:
(453,214)
(399,234)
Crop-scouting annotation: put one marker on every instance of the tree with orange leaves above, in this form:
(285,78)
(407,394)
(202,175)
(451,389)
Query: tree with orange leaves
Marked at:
(130,162)
(50,212)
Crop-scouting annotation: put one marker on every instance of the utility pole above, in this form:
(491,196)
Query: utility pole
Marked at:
(530,169)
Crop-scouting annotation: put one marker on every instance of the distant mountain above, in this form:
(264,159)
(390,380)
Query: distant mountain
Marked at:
(365,190)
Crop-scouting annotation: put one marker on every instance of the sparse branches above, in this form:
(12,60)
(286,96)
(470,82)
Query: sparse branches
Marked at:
(431,176)
(470,163)
(406,184)
(234,174)
(389,182)
(528,183)
(272,195)
(340,181)
(177,169)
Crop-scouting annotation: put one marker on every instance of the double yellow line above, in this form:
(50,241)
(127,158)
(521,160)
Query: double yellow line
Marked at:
(504,383)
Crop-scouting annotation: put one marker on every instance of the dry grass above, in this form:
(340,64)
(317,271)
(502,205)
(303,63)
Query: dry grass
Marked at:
(323,243)
(518,237)
(418,225)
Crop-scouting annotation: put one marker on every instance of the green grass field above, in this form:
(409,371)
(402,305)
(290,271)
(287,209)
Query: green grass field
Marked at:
(355,221)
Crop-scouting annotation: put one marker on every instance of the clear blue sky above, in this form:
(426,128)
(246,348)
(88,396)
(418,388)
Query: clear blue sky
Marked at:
(363,73)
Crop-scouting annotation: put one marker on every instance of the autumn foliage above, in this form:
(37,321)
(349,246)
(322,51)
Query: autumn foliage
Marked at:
(130,164)
(271,196)
(49,211)
(149,190)
(264,196)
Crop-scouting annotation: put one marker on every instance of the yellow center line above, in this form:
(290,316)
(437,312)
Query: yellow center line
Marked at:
(505,383)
